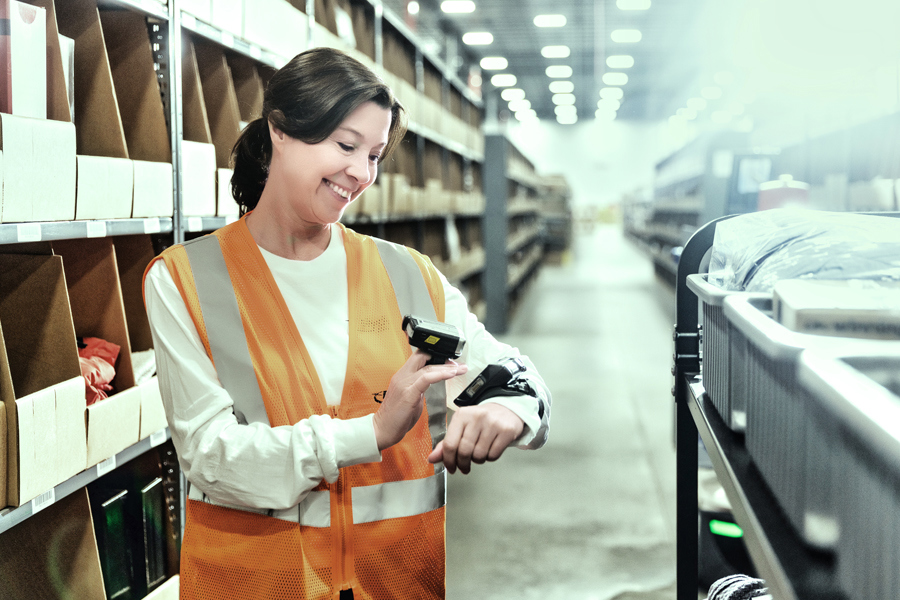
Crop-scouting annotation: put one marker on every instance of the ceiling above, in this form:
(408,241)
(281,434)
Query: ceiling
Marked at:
(666,60)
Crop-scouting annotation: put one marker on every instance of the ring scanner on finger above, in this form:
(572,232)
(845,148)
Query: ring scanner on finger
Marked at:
(443,341)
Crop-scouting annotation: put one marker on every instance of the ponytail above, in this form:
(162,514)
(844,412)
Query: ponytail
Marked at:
(250,159)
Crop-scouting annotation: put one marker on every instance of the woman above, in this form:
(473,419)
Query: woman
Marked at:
(313,439)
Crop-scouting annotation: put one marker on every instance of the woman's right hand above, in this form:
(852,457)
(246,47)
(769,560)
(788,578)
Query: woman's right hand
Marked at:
(403,403)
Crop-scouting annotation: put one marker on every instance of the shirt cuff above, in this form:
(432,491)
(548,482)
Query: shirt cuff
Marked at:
(526,408)
(354,441)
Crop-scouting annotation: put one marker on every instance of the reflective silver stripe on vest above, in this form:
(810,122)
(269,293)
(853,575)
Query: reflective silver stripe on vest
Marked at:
(413,298)
(398,499)
(391,500)
(224,329)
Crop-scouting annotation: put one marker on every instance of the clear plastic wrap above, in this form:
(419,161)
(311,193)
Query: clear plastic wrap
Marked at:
(752,251)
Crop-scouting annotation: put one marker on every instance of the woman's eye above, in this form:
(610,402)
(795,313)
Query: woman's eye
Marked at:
(345,147)
(374,158)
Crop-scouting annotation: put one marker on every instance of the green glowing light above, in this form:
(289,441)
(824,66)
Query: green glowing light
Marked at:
(726,529)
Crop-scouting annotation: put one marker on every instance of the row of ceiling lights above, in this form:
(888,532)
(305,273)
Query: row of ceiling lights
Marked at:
(562,89)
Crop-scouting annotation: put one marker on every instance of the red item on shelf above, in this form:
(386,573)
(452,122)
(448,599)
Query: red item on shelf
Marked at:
(98,367)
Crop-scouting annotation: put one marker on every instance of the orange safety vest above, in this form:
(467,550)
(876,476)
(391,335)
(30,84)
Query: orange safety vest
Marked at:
(379,529)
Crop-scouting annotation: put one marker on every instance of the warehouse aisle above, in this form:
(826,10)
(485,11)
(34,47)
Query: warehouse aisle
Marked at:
(591,516)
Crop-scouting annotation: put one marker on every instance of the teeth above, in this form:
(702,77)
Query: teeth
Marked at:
(340,191)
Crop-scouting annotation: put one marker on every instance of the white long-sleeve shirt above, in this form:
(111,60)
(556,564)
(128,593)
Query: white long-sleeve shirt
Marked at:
(259,466)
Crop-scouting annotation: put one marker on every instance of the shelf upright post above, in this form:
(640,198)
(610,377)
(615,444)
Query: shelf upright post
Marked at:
(687,362)
(496,226)
(310,22)
(176,115)
(379,32)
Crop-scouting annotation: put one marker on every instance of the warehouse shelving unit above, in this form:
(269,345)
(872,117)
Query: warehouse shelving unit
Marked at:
(791,569)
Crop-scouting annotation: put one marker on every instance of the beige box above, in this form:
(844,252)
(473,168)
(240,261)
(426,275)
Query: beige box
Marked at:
(27,47)
(276,26)
(45,435)
(153,189)
(322,38)
(113,424)
(53,554)
(400,200)
(39,169)
(198,168)
(104,188)
(202,9)
(153,415)
(228,15)
(372,202)
(95,297)
(226,206)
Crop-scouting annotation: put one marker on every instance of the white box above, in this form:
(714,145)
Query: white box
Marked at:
(199,8)
(153,415)
(67,53)
(39,167)
(225,203)
(276,26)
(198,168)
(113,424)
(27,61)
(167,591)
(105,188)
(153,190)
(228,15)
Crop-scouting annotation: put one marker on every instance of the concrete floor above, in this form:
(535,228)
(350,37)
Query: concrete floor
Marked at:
(591,516)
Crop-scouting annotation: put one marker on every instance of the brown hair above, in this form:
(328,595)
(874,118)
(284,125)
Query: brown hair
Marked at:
(308,99)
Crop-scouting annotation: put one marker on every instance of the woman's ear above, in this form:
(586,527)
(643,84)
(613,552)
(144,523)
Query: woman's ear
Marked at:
(275,134)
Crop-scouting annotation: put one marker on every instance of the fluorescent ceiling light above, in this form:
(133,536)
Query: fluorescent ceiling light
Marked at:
(620,61)
(615,78)
(518,105)
(562,87)
(512,94)
(567,119)
(503,80)
(555,52)
(526,115)
(458,6)
(559,71)
(633,4)
(412,8)
(625,36)
(565,110)
(697,104)
(711,92)
(563,99)
(493,63)
(550,20)
(724,78)
(604,114)
(477,38)
(608,104)
(677,120)
(612,93)
(736,108)
(721,117)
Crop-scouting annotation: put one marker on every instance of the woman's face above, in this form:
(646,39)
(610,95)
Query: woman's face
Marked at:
(321,180)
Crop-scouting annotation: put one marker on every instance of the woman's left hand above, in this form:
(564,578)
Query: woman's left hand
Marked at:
(477,434)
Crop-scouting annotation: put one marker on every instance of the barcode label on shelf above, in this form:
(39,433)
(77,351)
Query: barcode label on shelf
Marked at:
(43,501)
(151,225)
(28,232)
(106,466)
(195,224)
(157,437)
(255,51)
(227,39)
(96,229)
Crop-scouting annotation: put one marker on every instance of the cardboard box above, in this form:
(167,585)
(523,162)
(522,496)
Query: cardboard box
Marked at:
(220,100)
(40,377)
(228,15)
(167,591)
(198,178)
(3,461)
(39,168)
(153,189)
(23,57)
(105,187)
(153,415)
(248,87)
(95,296)
(225,203)
(322,38)
(67,58)
(53,554)
(195,121)
(276,26)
